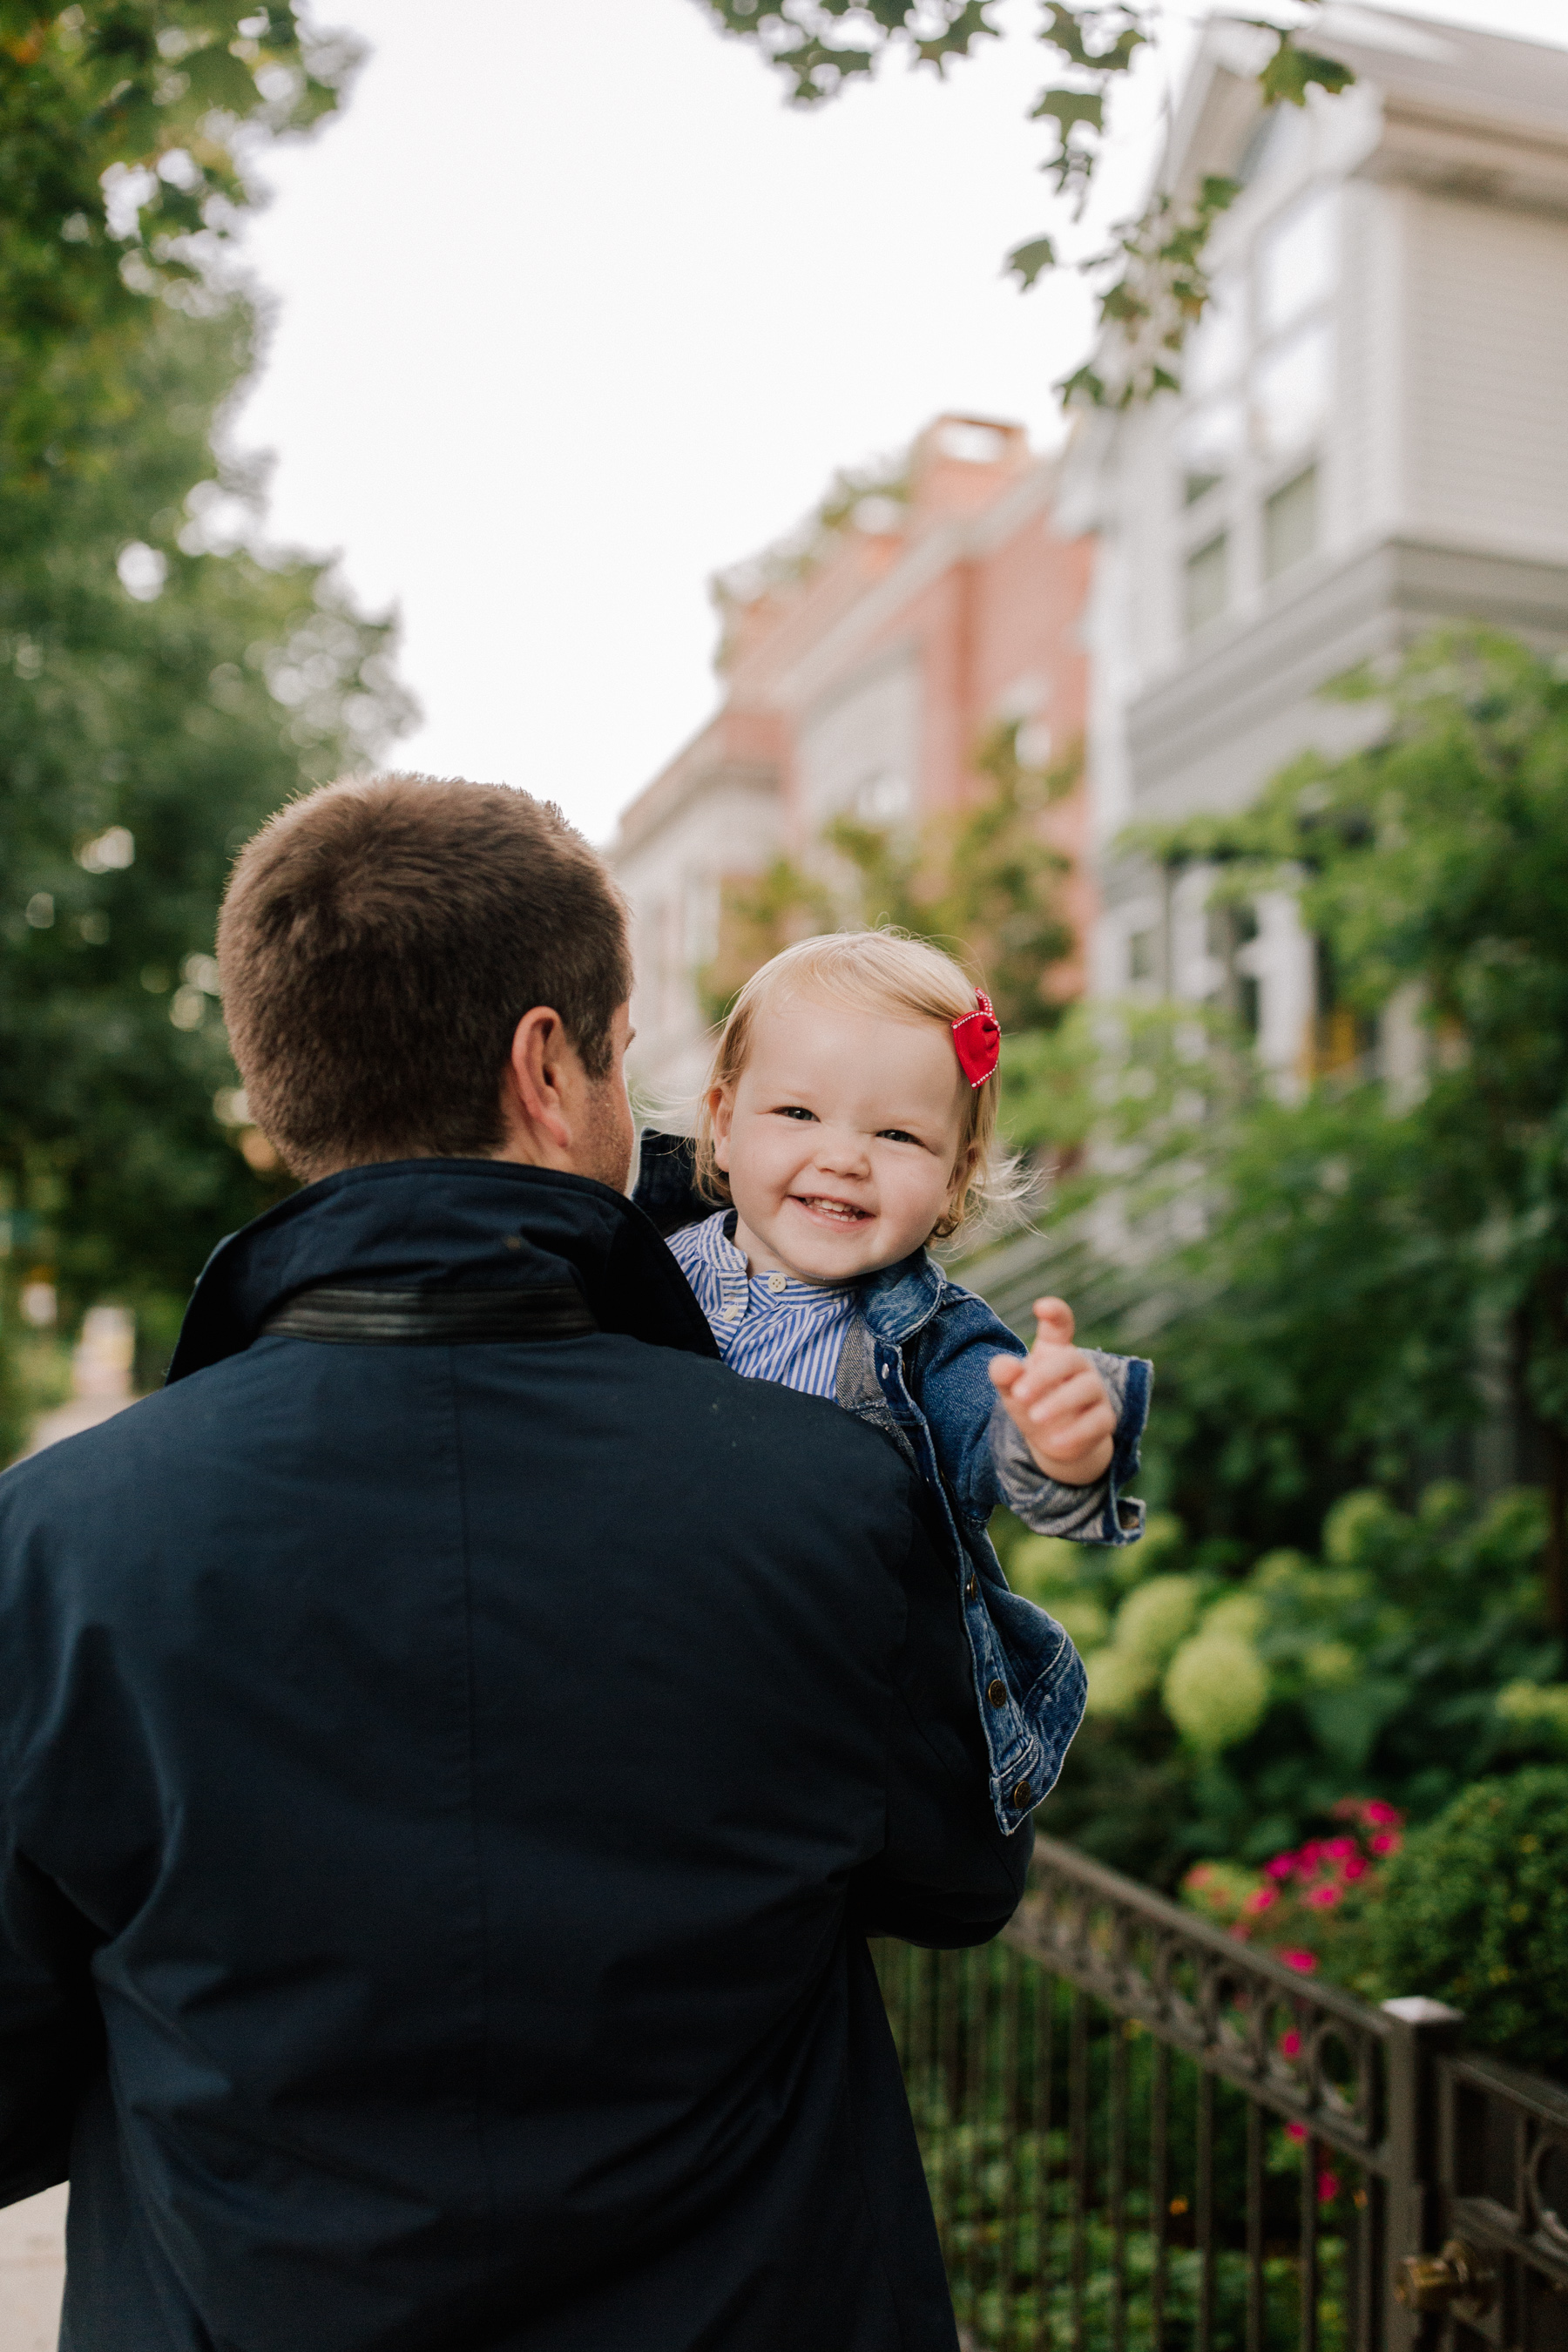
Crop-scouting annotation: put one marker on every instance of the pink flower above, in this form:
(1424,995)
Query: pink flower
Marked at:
(1280,1867)
(1261,1898)
(1296,2131)
(1376,1810)
(1328,2187)
(1356,1867)
(1385,1841)
(1322,1898)
(1340,1848)
(1305,1962)
(1290,2043)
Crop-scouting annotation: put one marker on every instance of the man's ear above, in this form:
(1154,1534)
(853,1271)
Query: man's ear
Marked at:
(537,1079)
(721,1110)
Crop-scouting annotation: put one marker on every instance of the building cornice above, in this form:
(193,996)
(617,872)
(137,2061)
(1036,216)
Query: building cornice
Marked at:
(935,552)
(1335,616)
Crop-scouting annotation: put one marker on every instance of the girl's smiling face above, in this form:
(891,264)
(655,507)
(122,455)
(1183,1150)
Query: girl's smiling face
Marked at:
(840,1139)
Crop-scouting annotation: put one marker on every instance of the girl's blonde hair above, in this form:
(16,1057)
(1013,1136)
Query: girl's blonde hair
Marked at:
(884,972)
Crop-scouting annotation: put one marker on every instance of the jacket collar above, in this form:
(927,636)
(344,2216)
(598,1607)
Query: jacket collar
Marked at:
(445,1224)
(901,1299)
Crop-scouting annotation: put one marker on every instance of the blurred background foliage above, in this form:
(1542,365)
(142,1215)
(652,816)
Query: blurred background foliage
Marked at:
(1354,1284)
(167,680)
(981,880)
(1354,1280)
(1351,1277)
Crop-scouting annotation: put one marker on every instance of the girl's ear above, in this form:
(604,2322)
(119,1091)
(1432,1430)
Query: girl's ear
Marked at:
(720,1104)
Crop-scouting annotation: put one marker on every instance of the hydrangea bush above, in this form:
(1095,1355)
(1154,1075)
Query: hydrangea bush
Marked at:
(1231,1701)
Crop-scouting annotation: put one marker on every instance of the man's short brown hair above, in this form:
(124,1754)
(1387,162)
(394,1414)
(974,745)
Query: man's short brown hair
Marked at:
(380,941)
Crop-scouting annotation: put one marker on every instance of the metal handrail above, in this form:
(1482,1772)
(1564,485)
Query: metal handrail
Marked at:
(1299,2089)
(1100,2097)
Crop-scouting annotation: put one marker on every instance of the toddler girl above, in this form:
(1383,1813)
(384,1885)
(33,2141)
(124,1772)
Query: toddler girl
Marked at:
(849,1120)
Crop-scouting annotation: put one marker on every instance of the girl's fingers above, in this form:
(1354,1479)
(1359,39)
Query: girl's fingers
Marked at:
(1065,1441)
(1077,1439)
(1032,1375)
(1067,1398)
(1047,1367)
(1054,1316)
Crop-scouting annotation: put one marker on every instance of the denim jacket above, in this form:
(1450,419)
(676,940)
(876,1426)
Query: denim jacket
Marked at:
(915,1364)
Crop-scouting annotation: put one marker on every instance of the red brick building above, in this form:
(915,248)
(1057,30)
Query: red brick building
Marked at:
(864,664)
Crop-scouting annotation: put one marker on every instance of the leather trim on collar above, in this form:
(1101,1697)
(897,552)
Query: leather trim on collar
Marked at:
(353,1316)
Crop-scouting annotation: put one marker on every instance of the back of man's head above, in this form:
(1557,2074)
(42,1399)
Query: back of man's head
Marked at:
(379,943)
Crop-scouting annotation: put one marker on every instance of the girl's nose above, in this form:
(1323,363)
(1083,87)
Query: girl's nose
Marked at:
(841,1151)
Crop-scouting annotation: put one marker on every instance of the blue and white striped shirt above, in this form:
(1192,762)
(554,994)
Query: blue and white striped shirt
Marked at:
(768,1326)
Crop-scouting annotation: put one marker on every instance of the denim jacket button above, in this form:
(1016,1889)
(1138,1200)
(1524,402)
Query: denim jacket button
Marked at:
(1021,1796)
(996,1692)
(972,1587)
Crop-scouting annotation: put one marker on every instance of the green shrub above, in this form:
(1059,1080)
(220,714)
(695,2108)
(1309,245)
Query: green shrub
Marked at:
(1475,1912)
(1215,1690)
(1536,1712)
(1232,1702)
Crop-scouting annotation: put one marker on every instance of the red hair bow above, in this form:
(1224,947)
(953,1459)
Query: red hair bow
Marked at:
(978,1041)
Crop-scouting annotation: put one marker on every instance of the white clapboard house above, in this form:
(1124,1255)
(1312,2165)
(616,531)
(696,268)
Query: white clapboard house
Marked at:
(1371,440)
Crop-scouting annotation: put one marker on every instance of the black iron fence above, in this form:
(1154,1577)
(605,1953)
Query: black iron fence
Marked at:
(1141,2135)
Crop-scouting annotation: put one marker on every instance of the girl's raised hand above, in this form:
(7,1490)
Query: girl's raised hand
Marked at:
(1057,1401)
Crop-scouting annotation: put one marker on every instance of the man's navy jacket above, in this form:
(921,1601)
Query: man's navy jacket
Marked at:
(444,1793)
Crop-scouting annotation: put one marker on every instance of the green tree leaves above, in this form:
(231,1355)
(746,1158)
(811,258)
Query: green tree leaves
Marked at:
(1031,260)
(799,37)
(126,128)
(1150,280)
(1292,71)
(162,687)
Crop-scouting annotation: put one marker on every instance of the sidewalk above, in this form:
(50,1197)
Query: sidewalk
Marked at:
(32,2234)
(32,2273)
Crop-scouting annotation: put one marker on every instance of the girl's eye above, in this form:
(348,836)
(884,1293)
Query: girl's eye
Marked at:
(795,1110)
(900,1135)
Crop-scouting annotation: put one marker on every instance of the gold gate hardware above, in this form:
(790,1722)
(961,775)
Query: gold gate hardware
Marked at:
(1458,2280)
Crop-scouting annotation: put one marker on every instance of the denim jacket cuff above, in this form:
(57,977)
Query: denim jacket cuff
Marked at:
(1100,1514)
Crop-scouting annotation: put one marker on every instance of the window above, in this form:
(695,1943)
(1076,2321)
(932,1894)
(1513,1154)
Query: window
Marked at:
(1142,955)
(1228,924)
(972,444)
(1339,1035)
(1296,262)
(1278,137)
(1208,445)
(1290,524)
(1207,583)
(1290,391)
(700,914)
(1217,344)
(883,799)
(1230,936)
(1258,382)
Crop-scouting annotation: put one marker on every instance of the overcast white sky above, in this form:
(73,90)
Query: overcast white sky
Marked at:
(570,310)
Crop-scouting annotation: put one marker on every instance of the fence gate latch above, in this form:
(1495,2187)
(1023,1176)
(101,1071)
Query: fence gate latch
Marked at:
(1458,2280)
